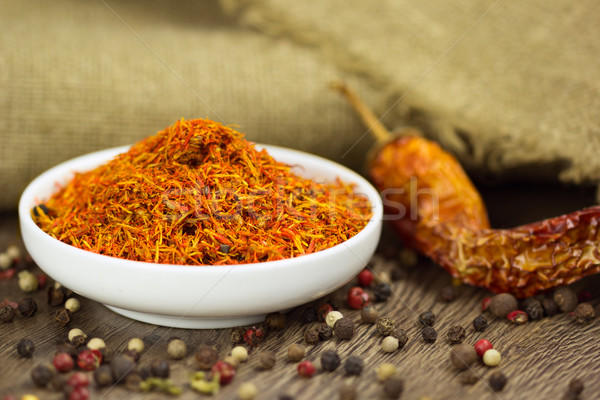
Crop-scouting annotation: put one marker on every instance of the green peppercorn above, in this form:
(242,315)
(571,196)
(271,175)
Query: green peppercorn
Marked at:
(25,348)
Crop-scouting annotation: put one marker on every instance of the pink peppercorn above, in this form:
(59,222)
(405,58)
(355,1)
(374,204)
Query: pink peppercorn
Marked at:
(365,277)
(357,298)
(306,369)
(482,346)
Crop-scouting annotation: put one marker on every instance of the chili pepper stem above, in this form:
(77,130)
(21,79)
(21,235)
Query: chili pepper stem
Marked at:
(370,120)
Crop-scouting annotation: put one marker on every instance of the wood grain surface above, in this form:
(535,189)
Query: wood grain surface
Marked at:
(539,358)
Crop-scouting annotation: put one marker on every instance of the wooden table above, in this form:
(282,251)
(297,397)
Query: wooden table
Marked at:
(539,358)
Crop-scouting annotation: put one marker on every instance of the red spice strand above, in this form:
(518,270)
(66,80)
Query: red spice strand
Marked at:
(176,197)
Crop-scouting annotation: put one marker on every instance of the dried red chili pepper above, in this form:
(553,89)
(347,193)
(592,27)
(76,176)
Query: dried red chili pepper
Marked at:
(441,214)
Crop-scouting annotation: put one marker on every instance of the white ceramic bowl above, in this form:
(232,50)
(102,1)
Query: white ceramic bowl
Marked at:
(199,296)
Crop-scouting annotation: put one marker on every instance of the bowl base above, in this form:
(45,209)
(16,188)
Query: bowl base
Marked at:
(188,322)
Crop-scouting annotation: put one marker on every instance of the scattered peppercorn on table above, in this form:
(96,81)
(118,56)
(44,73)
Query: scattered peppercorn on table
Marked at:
(419,337)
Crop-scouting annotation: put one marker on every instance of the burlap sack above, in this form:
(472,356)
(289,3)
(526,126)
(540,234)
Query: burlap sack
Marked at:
(510,87)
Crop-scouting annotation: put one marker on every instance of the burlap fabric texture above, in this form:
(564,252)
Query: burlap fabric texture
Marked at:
(511,88)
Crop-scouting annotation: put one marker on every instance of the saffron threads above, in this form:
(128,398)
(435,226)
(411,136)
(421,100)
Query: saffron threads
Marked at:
(198,193)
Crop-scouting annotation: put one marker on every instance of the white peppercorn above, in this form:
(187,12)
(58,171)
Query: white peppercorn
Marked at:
(73,304)
(27,281)
(247,391)
(384,371)
(177,349)
(135,344)
(332,317)
(5,261)
(389,344)
(13,252)
(492,358)
(240,353)
(73,333)
(96,344)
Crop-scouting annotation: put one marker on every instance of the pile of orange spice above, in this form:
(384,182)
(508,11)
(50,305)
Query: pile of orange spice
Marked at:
(198,193)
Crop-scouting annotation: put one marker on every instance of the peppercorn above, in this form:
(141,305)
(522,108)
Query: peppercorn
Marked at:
(427,318)
(89,360)
(121,366)
(136,344)
(27,307)
(385,326)
(107,354)
(7,313)
(275,321)
(502,304)
(62,316)
(58,382)
(323,310)
(96,344)
(103,376)
(389,344)
(357,298)
(584,313)
(385,371)
(393,387)
(325,332)
(266,359)
(28,282)
(25,348)
(550,307)
(55,295)
(205,357)
(481,346)
(447,294)
(462,356)
(225,371)
(565,298)
(296,352)
(402,337)
(160,368)
(176,349)
(347,391)
(311,336)
(5,261)
(41,375)
(517,317)
(497,381)
(480,323)
(468,377)
(576,386)
(306,369)
(382,292)
(332,318)
(429,334)
(330,360)
(132,354)
(73,304)
(254,335)
(354,365)
(369,314)
(237,335)
(533,308)
(247,391)
(239,353)
(344,328)
(309,315)
(66,348)
(234,362)
(492,358)
(365,277)
(133,381)
(76,333)
(456,334)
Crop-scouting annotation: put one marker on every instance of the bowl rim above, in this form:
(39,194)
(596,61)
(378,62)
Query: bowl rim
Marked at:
(30,197)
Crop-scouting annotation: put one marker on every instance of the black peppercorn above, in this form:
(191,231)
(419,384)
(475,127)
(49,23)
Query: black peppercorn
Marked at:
(7,314)
(330,360)
(429,334)
(325,331)
(533,308)
(27,307)
(393,387)
(354,365)
(427,318)
(576,386)
(25,348)
(121,366)
(381,292)
(503,304)
(41,375)
(550,307)
(103,376)
(447,294)
(497,381)
(237,335)
(205,357)
(309,314)
(565,298)
(584,313)
(275,321)
(63,316)
(344,328)
(369,314)
(266,360)
(311,336)
(402,337)
(55,295)
(160,368)
(480,323)
(385,326)
(456,334)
